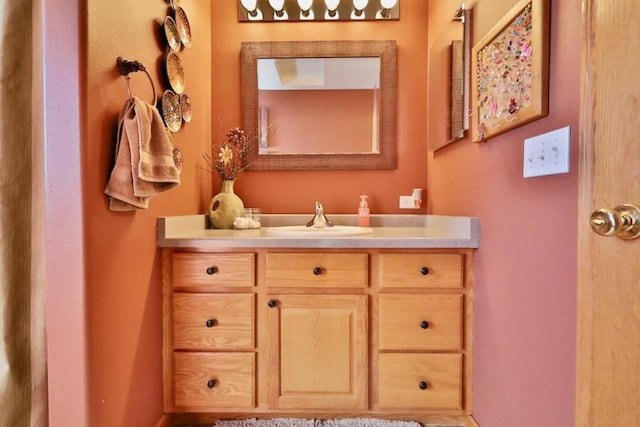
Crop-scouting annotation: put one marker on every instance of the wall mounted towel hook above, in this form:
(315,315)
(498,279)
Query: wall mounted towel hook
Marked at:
(127,67)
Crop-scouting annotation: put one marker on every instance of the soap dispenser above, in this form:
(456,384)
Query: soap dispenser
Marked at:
(363,212)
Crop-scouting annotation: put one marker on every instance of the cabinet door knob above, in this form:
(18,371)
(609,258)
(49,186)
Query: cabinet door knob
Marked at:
(424,271)
(211,323)
(317,271)
(211,383)
(424,324)
(212,270)
(423,385)
(272,303)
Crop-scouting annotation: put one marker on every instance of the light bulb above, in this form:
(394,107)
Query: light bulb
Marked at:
(360,4)
(388,4)
(276,4)
(305,4)
(358,9)
(250,5)
(332,4)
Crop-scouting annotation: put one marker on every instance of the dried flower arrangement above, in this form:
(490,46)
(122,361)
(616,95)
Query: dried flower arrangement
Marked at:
(230,156)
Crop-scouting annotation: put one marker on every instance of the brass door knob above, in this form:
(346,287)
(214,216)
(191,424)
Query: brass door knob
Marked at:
(623,221)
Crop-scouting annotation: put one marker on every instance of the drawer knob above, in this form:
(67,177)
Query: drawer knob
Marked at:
(424,271)
(272,303)
(424,324)
(212,270)
(211,323)
(211,383)
(317,271)
(423,385)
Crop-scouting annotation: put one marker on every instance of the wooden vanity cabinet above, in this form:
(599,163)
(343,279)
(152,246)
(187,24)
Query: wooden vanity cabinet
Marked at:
(421,320)
(209,331)
(318,333)
(317,352)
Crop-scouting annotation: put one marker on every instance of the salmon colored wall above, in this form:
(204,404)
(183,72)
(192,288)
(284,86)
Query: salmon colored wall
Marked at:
(345,126)
(525,268)
(58,25)
(123,283)
(296,192)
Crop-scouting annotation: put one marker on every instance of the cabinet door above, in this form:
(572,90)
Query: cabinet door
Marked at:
(420,381)
(209,381)
(317,351)
(212,321)
(427,271)
(316,270)
(191,270)
(420,322)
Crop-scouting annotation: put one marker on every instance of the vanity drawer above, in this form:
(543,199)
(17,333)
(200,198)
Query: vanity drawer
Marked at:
(421,270)
(213,321)
(200,269)
(313,270)
(420,322)
(206,381)
(420,381)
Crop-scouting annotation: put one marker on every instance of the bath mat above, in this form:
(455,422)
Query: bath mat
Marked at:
(271,422)
(297,422)
(365,422)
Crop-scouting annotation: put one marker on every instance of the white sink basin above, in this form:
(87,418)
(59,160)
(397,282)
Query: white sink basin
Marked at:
(303,231)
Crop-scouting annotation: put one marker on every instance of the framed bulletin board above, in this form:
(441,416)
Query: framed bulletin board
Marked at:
(510,71)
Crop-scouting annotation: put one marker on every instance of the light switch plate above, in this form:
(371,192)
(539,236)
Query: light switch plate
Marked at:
(406,202)
(547,154)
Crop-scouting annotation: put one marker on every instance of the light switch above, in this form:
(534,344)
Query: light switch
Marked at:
(547,154)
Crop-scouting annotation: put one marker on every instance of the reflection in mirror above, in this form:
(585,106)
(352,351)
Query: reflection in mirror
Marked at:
(449,63)
(320,105)
(317,91)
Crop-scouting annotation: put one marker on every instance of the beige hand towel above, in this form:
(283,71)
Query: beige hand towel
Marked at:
(157,172)
(120,185)
(144,158)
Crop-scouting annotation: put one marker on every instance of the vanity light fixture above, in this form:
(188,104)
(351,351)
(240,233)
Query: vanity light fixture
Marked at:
(279,14)
(332,10)
(306,11)
(358,9)
(251,6)
(318,10)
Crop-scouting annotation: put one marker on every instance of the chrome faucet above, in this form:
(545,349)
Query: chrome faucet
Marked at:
(319,219)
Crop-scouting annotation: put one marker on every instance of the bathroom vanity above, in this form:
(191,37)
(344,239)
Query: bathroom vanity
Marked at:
(369,325)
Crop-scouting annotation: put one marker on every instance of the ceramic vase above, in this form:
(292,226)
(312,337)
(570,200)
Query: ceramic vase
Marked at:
(225,206)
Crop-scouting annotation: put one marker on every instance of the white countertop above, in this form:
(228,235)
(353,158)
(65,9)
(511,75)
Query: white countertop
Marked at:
(389,231)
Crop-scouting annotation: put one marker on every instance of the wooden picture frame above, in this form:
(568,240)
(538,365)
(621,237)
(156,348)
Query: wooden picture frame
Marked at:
(510,71)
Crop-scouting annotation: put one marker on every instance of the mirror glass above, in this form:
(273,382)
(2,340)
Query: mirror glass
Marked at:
(449,78)
(320,105)
(317,91)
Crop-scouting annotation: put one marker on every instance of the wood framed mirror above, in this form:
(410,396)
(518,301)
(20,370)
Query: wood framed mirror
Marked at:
(320,105)
(449,80)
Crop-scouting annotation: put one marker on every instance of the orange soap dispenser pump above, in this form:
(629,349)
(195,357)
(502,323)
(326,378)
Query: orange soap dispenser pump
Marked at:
(363,212)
